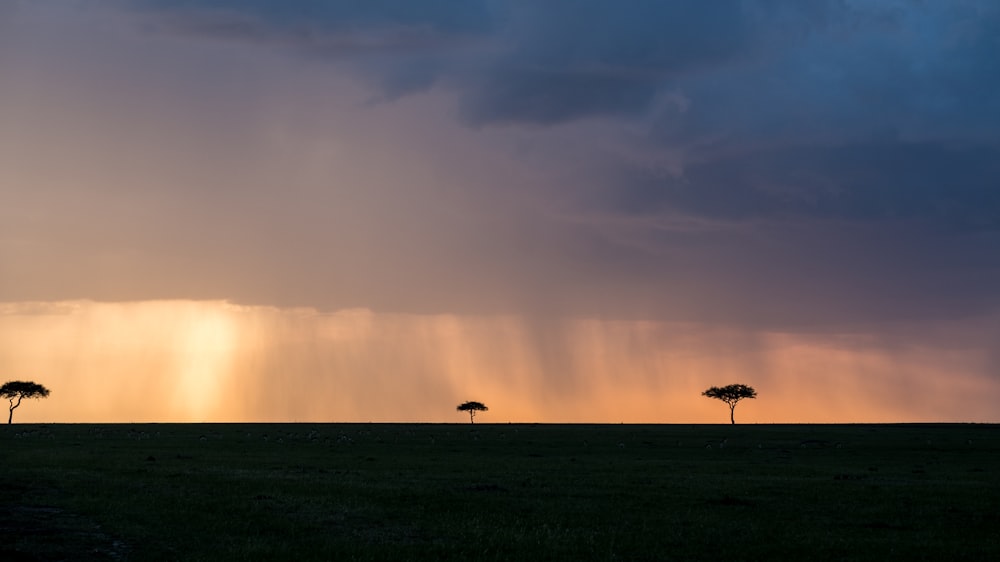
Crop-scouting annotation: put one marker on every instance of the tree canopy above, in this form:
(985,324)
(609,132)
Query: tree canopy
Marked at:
(731,394)
(472,407)
(21,390)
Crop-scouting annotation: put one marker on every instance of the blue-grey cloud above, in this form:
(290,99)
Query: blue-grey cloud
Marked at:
(951,186)
(567,60)
(830,159)
(542,63)
(784,85)
(556,61)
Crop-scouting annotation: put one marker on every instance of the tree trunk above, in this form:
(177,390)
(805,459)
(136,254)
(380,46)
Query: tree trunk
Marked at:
(732,414)
(10,418)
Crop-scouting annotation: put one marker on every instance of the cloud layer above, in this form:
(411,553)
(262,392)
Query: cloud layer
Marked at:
(527,194)
(665,161)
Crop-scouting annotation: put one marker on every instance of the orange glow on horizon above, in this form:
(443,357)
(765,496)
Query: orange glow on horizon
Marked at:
(208,361)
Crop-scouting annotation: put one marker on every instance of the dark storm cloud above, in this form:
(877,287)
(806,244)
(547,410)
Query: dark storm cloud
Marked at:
(568,60)
(880,115)
(520,61)
(900,66)
(653,158)
(886,119)
(773,71)
(952,186)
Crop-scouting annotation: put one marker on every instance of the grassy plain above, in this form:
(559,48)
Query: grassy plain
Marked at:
(499,492)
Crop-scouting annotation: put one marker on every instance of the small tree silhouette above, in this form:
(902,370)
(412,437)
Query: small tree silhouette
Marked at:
(731,394)
(21,390)
(472,408)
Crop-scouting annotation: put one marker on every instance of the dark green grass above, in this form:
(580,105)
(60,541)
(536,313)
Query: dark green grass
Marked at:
(499,492)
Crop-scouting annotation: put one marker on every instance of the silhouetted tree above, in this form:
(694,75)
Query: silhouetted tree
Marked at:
(472,408)
(21,390)
(731,394)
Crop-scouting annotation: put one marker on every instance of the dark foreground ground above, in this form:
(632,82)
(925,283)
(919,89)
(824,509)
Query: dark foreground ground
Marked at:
(499,492)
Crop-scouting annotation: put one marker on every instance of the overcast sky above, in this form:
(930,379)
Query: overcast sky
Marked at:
(780,167)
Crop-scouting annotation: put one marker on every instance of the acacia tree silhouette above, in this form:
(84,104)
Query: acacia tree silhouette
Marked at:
(472,408)
(21,390)
(731,394)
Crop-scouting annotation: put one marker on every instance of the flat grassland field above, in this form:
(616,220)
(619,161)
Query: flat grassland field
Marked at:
(499,492)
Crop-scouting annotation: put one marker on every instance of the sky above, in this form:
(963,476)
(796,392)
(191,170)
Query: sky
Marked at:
(572,211)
